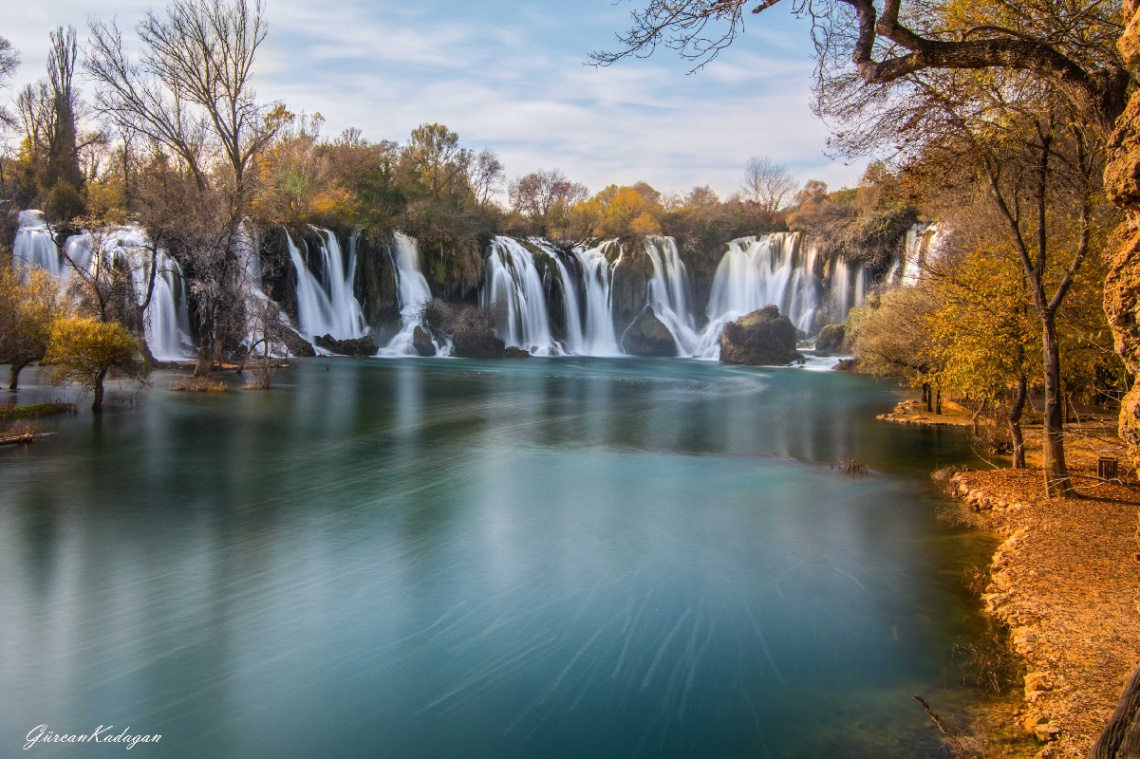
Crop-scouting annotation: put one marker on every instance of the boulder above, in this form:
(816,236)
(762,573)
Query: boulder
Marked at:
(473,340)
(829,341)
(363,346)
(513,352)
(762,338)
(422,343)
(296,345)
(647,336)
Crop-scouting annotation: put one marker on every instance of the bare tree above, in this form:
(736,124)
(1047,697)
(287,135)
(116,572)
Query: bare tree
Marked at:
(768,183)
(9,62)
(190,96)
(487,175)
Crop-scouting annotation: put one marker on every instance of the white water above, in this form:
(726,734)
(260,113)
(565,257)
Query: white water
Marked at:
(35,246)
(166,319)
(414,293)
(575,339)
(599,338)
(669,294)
(511,282)
(923,242)
(326,303)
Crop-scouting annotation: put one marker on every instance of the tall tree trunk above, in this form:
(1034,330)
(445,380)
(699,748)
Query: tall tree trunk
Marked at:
(97,400)
(1014,419)
(1057,480)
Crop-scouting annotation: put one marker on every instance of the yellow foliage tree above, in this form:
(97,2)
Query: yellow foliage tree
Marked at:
(86,352)
(29,304)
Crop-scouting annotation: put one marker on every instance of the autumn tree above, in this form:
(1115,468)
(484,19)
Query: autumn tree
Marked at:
(29,304)
(546,197)
(87,352)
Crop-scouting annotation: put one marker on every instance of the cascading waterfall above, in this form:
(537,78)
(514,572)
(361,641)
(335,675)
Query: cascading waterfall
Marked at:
(669,294)
(166,318)
(599,338)
(327,305)
(922,247)
(35,246)
(414,293)
(511,282)
(572,311)
(773,270)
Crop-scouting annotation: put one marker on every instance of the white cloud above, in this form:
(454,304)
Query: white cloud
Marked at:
(521,88)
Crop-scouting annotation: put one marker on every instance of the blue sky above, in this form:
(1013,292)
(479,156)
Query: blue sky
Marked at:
(511,76)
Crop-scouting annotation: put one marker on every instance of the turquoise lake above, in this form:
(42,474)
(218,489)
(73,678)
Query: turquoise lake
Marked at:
(449,558)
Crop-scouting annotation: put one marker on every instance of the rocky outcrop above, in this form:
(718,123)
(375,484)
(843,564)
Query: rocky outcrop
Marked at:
(829,341)
(762,338)
(421,342)
(1122,285)
(296,345)
(363,346)
(647,336)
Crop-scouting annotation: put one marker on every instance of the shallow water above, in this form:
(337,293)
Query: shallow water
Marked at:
(604,558)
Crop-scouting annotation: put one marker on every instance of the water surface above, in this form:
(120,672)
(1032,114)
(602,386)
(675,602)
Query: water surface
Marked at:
(544,558)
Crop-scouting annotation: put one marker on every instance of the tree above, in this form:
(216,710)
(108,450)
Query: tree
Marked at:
(87,352)
(487,174)
(546,197)
(29,305)
(9,62)
(190,96)
(768,183)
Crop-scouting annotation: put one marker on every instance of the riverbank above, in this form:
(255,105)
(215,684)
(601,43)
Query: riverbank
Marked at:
(1065,581)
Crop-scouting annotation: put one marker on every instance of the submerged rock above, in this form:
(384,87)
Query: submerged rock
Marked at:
(513,352)
(362,346)
(422,343)
(762,338)
(830,340)
(647,336)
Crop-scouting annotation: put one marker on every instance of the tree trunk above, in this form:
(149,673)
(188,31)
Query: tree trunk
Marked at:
(205,355)
(1015,412)
(97,400)
(1121,736)
(938,401)
(926,397)
(1057,481)
(977,415)
(14,374)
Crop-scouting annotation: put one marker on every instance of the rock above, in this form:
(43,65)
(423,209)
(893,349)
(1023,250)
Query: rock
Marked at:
(513,352)
(647,336)
(1047,732)
(762,338)
(830,340)
(296,345)
(847,365)
(422,343)
(363,346)
(473,340)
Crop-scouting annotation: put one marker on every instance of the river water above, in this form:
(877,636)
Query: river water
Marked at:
(446,558)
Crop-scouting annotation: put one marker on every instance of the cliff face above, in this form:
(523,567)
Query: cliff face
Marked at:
(1122,286)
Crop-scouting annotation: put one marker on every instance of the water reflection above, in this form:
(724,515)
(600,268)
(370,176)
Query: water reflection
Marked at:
(450,558)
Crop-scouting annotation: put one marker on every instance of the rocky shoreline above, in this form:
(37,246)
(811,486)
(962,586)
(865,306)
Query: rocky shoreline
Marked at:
(1065,582)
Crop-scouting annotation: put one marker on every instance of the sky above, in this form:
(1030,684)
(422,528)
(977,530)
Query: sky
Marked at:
(514,77)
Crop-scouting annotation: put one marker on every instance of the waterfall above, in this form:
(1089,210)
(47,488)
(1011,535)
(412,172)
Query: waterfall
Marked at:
(669,293)
(166,320)
(413,292)
(326,303)
(922,248)
(599,339)
(572,311)
(511,282)
(773,270)
(35,246)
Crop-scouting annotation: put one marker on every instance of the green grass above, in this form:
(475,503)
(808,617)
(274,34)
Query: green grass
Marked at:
(36,409)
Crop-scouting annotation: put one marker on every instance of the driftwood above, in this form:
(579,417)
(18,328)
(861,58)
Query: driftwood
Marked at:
(1121,736)
(25,438)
